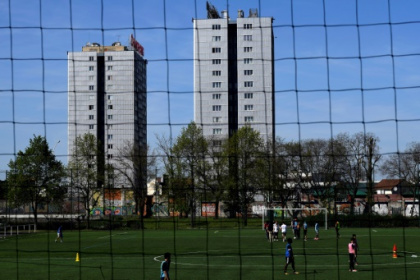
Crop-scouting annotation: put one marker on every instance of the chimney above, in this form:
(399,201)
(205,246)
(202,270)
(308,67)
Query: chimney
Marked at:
(225,14)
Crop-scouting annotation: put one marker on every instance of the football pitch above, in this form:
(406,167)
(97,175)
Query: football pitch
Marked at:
(208,254)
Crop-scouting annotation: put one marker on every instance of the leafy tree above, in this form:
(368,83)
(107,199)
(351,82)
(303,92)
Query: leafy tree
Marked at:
(215,175)
(246,153)
(35,177)
(86,171)
(282,190)
(135,166)
(190,150)
(182,163)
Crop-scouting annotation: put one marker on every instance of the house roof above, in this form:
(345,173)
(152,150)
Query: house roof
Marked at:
(386,197)
(388,184)
(390,198)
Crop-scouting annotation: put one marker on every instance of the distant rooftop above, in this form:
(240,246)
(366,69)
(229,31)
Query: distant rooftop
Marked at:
(95,47)
(213,13)
(115,47)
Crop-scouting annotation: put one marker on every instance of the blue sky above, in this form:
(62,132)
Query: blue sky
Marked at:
(316,97)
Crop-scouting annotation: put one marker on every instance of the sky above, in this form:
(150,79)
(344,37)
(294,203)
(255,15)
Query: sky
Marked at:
(340,66)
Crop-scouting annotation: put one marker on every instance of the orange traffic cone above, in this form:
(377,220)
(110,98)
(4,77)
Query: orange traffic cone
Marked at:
(77,257)
(394,250)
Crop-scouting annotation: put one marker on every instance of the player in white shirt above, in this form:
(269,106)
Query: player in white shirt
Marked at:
(283,228)
(276,231)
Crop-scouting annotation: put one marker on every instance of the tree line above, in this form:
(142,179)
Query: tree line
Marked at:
(198,169)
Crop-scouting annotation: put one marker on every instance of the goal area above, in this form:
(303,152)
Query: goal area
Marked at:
(275,213)
(10,230)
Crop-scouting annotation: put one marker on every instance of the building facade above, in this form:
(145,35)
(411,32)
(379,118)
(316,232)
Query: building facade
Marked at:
(107,98)
(234,74)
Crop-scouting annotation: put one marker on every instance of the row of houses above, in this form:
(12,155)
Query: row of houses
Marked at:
(389,197)
(395,196)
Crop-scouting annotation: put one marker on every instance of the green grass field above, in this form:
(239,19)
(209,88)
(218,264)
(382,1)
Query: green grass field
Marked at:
(207,254)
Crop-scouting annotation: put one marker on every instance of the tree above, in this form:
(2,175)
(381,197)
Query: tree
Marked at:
(87,171)
(350,164)
(310,165)
(318,168)
(135,165)
(215,175)
(246,153)
(35,177)
(406,166)
(282,176)
(357,162)
(190,149)
(372,158)
(182,163)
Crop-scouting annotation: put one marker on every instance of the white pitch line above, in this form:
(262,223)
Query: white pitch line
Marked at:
(269,265)
(112,235)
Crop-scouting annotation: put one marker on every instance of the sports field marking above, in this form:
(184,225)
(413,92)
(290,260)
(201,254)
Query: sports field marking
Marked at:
(326,266)
(112,235)
(156,259)
(344,265)
(105,237)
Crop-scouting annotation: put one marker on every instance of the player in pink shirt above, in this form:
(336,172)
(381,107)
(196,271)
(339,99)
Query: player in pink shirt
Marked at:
(352,254)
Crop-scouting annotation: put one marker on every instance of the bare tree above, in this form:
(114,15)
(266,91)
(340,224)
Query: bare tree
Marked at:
(406,166)
(135,166)
(357,163)
(86,170)
(372,158)
(318,166)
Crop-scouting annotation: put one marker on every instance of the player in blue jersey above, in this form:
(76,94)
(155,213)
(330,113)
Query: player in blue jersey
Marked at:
(59,234)
(290,258)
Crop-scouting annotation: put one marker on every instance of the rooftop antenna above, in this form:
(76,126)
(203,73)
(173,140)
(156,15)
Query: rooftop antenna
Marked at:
(227,7)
